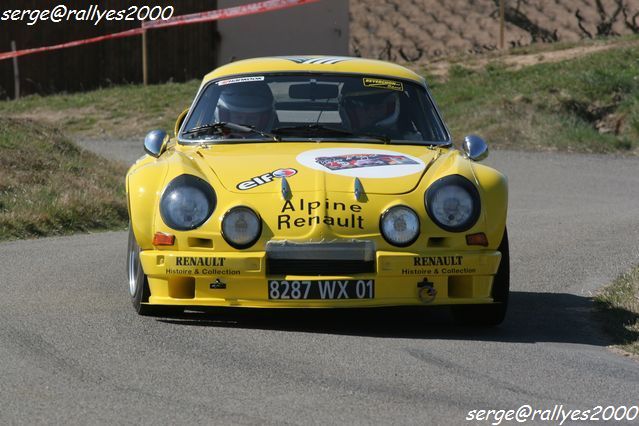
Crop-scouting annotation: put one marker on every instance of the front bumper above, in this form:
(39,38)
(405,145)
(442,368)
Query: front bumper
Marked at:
(240,279)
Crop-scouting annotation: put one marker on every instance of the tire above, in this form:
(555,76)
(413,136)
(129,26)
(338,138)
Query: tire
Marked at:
(139,285)
(493,314)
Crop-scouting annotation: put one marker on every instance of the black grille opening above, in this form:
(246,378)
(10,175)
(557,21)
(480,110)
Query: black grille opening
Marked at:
(315,267)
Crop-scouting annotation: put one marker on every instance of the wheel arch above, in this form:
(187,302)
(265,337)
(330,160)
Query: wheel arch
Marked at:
(144,187)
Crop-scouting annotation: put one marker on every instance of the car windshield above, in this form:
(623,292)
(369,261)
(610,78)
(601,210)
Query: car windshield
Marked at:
(314,107)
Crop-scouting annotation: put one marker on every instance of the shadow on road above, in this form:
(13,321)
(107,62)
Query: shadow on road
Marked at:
(532,317)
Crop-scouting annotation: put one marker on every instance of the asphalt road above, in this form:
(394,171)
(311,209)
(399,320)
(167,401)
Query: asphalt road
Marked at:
(72,350)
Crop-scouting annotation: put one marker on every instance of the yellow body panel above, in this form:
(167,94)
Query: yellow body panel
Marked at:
(466,282)
(322,208)
(344,65)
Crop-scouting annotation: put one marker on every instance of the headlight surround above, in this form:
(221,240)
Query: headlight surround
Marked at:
(453,203)
(399,226)
(241,227)
(187,202)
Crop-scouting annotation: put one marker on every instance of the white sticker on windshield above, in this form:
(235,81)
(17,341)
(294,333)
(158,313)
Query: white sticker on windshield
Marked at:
(240,80)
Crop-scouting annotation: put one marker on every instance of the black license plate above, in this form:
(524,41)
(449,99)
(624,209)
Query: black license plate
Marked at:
(321,289)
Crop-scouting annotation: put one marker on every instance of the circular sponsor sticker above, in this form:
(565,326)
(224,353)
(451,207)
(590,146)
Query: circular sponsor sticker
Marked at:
(364,163)
(280,173)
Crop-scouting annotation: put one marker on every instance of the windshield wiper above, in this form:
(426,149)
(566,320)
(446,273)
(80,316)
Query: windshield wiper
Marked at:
(321,128)
(220,127)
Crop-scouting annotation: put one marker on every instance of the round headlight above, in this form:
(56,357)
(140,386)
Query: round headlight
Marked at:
(400,226)
(453,203)
(187,202)
(241,227)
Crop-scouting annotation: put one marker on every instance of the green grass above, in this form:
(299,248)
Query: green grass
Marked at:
(49,186)
(590,104)
(127,111)
(618,305)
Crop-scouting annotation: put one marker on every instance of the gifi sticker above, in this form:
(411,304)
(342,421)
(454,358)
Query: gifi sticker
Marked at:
(380,83)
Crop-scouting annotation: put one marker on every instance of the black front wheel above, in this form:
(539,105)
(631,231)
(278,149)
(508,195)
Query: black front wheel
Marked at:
(493,314)
(139,285)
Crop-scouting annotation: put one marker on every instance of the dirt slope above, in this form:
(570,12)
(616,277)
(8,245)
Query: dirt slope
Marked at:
(420,30)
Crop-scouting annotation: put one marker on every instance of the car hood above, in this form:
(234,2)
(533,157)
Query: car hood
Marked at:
(260,168)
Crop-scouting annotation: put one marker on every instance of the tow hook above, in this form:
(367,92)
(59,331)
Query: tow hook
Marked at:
(427,291)
(218,285)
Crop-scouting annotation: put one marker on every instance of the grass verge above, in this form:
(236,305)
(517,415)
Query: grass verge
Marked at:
(49,186)
(618,305)
(118,112)
(586,104)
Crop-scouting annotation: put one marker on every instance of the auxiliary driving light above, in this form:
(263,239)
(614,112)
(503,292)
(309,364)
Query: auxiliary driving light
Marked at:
(241,227)
(400,226)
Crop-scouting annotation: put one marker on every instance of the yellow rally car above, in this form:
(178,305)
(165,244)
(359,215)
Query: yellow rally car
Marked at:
(316,182)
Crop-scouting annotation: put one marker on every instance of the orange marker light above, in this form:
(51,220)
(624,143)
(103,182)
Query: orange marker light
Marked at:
(162,239)
(479,239)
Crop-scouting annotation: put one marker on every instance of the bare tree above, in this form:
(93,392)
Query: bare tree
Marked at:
(419,52)
(386,53)
(514,16)
(580,23)
(606,20)
(631,21)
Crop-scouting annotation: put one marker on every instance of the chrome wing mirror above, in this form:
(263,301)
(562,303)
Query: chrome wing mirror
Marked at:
(475,148)
(155,142)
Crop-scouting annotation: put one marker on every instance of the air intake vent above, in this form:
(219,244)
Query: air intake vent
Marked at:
(320,259)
